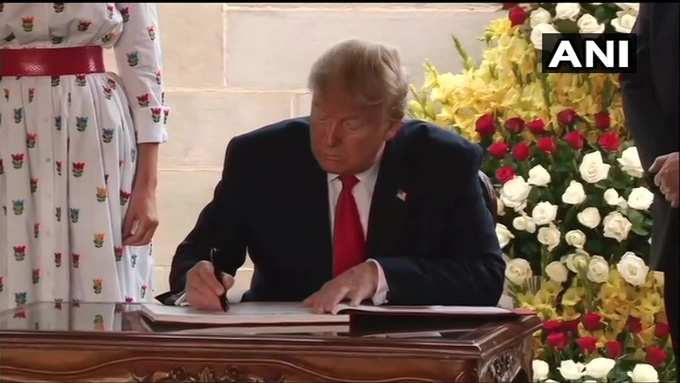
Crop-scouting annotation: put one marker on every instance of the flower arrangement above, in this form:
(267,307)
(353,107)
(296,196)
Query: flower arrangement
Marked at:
(573,205)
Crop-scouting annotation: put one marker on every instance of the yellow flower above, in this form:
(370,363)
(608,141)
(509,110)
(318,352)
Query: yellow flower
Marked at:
(551,287)
(573,296)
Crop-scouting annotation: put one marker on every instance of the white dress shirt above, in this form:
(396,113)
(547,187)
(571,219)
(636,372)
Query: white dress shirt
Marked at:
(363,193)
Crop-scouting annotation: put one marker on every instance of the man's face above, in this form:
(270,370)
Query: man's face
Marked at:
(346,136)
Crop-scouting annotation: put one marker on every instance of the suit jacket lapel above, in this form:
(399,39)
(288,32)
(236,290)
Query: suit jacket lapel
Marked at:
(314,195)
(387,209)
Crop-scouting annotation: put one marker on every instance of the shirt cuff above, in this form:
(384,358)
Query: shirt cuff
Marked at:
(150,124)
(182,300)
(380,296)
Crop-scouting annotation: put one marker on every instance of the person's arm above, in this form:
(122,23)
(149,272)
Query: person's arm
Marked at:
(467,268)
(138,54)
(220,225)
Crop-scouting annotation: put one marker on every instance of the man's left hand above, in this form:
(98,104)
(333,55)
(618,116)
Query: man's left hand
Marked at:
(666,178)
(356,284)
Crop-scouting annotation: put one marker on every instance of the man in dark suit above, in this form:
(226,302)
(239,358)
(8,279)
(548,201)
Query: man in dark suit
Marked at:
(651,108)
(350,203)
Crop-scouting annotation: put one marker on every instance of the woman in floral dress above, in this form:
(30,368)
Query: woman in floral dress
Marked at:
(78,154)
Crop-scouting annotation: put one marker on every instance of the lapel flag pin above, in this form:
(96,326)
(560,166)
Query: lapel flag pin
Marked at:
(401,195)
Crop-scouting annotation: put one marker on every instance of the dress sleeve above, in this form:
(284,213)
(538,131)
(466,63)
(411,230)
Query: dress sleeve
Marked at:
(139,59)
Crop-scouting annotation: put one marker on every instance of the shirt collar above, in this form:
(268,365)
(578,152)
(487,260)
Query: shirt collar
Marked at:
(367,176)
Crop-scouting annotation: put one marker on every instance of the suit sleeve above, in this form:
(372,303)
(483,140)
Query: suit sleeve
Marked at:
(640,105)
(466,268)
(220,225)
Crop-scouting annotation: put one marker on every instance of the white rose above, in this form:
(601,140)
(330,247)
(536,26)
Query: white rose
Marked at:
(575,238)
(616,226)
(592,168)
(500,207)
(589,217)
(599,368)
(567,11)
(514,193)
(624,23)
(504,235)
(644,372)
(574,194)
(537,34)
(524,223)
(640,198)
(549,236)
(518,271)
(588,24)
(611,196)
(598,269)
(571,370)
(539,176)
(556,271)
(630,162)
(633,8)
(577,261)
(632,268)
(544,213)
(539,16)
(541,370)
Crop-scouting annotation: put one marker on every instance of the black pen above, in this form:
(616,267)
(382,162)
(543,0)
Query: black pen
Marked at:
(218,276)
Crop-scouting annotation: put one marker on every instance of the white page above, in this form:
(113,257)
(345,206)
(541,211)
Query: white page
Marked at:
(431,310)
(241,313)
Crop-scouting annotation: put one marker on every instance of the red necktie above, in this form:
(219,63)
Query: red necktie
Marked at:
(348,237)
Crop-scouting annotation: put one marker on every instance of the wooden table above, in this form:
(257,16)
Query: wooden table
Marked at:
(114,343)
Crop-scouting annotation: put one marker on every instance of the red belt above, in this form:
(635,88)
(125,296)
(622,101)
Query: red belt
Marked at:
(51,61)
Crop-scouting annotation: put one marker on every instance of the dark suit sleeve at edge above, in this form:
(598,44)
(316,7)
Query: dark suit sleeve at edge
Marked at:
(640,105)
(220,225)
(470,270)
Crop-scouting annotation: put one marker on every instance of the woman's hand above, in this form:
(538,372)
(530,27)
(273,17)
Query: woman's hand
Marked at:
(141,219)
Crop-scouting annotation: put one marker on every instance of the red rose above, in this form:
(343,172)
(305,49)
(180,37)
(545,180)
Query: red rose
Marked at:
(517,15)
(614,349)
(574,139)
(552,325)
(587,344)
(655,356)
(567,116)
(602,120)
(661,330)
(498,149)
(514,125)
(520,151)
(609,141)
(592,321)
(485,125)
(509,5)
(547,145)
(634,325)
(557,340)
(505,174)
(536,126)
(571,325)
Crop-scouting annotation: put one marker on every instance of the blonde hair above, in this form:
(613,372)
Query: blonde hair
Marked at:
(371,73)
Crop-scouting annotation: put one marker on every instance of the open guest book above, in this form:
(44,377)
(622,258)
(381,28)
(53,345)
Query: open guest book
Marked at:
(268,313)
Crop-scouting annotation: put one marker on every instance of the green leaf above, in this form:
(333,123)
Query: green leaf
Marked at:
(604,14)
(565,26)
(468,62)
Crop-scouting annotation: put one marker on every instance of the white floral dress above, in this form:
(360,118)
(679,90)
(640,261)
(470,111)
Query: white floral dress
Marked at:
(68,148)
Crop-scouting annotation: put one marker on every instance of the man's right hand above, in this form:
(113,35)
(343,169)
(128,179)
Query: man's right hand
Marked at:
(203,289)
